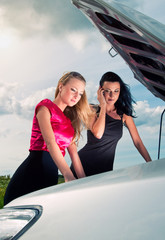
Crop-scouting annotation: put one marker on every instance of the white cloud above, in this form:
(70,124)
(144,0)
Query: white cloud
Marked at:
(26,107)
(78,40)
(23,108)
(7,99)
(14,142)
(82,39)
(147,115)
(39,17)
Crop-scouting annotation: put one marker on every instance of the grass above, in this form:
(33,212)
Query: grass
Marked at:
(4,181)
(60,179)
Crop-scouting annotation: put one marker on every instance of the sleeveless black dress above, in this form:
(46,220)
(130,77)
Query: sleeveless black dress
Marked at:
(97,156)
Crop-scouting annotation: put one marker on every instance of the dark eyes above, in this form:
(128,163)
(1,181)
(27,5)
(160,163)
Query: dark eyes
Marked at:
(75,91)
(109,91)
(117,90)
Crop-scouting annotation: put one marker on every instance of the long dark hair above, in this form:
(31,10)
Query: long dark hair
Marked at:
(125,100)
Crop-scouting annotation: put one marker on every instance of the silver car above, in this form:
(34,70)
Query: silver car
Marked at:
(124,204)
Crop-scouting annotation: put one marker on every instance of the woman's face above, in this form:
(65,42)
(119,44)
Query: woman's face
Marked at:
(111,92)
(72,91)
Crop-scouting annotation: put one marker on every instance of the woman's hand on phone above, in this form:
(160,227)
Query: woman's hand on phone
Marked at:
(100,97)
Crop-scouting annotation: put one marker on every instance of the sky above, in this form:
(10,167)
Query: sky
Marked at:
(39,42)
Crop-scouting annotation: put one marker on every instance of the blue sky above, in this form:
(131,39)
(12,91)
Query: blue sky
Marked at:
(39,41)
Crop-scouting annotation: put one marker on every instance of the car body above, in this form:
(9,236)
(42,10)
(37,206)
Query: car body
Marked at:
(127,203)
(122,204)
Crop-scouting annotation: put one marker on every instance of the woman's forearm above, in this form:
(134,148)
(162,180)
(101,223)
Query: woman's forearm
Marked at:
(72,149)
(143,151)
(59,160)
(99,125)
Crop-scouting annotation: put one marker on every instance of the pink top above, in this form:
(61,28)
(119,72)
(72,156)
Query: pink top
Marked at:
(61,125)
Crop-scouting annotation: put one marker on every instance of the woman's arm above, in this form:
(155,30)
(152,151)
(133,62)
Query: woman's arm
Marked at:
(43,116)
(72,149)
(136,138)
(98,124)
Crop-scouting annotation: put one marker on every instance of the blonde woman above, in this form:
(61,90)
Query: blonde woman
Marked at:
(56,126)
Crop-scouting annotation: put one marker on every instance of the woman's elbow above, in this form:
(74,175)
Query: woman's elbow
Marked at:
(50,142)
(138,144)
(98,135)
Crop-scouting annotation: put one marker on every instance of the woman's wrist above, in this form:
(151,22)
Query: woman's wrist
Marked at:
(68,176)
(103,108)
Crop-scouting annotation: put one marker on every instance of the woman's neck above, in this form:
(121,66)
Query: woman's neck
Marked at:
(59,103)
(110,109)
(112,112)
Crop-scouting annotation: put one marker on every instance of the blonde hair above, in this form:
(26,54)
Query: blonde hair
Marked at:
(80,113)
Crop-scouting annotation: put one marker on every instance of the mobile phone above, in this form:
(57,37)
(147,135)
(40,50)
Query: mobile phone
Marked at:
(103,92)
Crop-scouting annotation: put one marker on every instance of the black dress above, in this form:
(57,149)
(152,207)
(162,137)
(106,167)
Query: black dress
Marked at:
(97,156)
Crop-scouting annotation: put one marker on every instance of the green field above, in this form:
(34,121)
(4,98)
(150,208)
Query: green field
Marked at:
(4,180)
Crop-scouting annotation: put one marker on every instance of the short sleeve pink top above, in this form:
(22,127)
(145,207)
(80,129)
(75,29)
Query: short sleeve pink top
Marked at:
(61,125)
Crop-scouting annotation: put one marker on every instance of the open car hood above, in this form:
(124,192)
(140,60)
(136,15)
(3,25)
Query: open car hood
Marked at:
(140,40)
